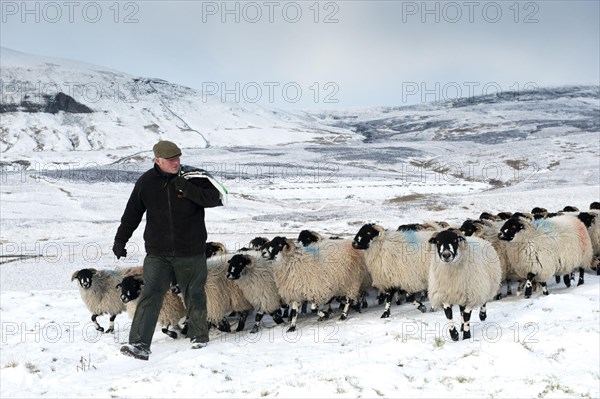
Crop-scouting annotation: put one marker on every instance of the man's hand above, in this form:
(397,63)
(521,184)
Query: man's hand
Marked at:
(180,183)
(119,249)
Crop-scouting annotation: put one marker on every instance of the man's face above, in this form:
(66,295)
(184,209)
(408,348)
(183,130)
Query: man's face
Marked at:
(168,165)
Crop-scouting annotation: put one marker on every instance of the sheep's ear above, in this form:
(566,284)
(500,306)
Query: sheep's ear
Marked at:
(74,276)
(378,228)
(94,271)
(118,286)
(433,240)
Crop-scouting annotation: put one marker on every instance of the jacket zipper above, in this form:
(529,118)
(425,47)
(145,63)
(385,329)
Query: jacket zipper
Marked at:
(171,219)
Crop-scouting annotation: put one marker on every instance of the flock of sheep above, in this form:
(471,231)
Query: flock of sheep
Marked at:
(448,265)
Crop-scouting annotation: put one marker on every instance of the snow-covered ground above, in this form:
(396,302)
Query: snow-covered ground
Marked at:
(60,209)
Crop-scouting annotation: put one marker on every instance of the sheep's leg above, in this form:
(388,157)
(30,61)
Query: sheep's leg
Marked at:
(572,276)
(242,321)
(363,299)
(98,327)
(224,325)
(344,315)
(520,287)
(482,312)
(184,330)
(388,302)
(111,326)
(312,307)
(529,285)
(326,311)
(508,287)
(276,317)
(544,288)
(413,299)
(567,280)
(401,297)
(452,328)
(557,278)
(286,310)
(465,316)
(169,332)
(293,316)
(257,319)
(381,298)
(580,282)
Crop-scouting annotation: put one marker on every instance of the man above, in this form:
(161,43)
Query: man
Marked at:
(174,198)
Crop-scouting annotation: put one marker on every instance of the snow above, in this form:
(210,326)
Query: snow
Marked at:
(286,174)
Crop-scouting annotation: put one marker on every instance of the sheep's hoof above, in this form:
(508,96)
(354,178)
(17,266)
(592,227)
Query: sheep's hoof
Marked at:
(365,305)
(110,331)
(254,330)
(498,297)
(422,308)
(482,316)
(240,327)
(184,330)
(343,317)
(454,334)
(170,333)
(580,282)
(101,329)
(291,329)
(557,278)
(466,335)
(385,314)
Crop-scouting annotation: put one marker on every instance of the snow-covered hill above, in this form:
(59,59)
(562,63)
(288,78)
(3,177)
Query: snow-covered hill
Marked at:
(127,112)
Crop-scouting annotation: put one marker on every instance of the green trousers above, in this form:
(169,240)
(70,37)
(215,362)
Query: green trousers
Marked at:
(190,273)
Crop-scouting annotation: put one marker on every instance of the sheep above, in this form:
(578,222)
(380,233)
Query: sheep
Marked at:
(254,277)
(97,290)
(591,220)
(396,260)
(223,296)
(214,248)
(488,230)
(539,249)
(331,269)
(172,310)
(308,237)
(464,272)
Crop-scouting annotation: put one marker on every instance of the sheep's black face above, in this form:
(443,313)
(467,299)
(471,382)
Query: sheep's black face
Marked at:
(447,244)
(273,247)
(510,229)
(505,215)
(595,205)
(587,218)
(258,243)
(486,216)
(307,237)
(365,235)
(131,288)
(237,265)
(569,208)
(411,227)
(84,276)
(469,227)
(213,249)
(538,210)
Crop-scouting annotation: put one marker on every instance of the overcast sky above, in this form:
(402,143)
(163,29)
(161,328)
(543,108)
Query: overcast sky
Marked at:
(308,54)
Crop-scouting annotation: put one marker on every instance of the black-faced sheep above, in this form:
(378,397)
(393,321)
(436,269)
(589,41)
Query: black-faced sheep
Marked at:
(464,272)
(317,275)
(223,296)
(591,220)
(396,260)
(254,277)
(488,230)
(540,249)
(172,310)
(98,292)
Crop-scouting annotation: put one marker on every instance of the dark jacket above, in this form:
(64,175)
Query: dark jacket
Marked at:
(174,222)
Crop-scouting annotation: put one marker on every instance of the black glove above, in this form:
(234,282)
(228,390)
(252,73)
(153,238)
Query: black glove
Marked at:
(180,183)
(119,249)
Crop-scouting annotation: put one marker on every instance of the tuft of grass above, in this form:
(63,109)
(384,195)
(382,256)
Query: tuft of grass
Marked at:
(378,392)
(264,393)
(462,379)
(33,369)
(11,364)
(438,343)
